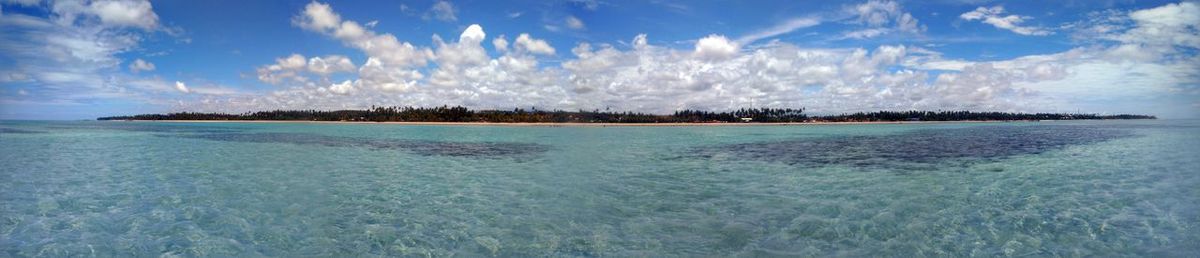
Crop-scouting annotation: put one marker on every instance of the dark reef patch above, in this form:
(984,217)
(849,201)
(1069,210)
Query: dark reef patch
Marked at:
(147,127)
(18,131)
(419,147)
(918,147)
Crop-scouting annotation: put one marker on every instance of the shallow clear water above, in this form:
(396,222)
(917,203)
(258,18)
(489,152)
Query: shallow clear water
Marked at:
(1081,188)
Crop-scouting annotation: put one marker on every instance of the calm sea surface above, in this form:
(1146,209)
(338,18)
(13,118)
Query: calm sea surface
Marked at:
(1079,188)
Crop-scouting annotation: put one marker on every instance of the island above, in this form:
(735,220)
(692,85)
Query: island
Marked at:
(459,114)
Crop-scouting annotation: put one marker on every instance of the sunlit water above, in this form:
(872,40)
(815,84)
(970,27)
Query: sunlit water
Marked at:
(1081,188)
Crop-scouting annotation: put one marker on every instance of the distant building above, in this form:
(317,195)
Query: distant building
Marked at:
(747,119)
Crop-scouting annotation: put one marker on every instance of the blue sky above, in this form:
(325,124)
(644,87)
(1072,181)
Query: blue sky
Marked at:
(83,59)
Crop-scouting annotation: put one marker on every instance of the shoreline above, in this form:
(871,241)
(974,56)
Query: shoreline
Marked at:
(576,124)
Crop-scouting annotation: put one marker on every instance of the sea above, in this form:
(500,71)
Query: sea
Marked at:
(1121,188)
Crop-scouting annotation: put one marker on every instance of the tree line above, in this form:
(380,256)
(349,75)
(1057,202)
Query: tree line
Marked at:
(915,115)
(520,115)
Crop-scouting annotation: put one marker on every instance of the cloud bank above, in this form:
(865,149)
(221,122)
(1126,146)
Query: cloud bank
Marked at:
(719,74)
(1146,55)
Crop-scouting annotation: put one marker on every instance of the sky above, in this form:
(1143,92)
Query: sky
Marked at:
(85,59)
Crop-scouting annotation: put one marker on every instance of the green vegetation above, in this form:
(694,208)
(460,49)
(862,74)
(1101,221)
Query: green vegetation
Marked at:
(462,114)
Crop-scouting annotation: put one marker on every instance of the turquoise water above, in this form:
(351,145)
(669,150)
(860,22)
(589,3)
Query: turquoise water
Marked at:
(1080,188)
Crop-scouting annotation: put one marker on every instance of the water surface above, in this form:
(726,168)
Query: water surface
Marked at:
(1079,188)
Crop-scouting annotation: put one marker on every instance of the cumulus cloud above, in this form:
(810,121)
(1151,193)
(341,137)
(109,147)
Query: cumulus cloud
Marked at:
(500,44)
(319,17)
(715,47)
(330,64)
(719,75)
(376,75)
(342,88)
(464,75)
(140,65)
(111,13)
(876,13)
(661,79)
(715,74)
(181,87)
(473,33)
(296,68)
(125,13)
(284,68)
(528,44)
(995,16)
(881,17)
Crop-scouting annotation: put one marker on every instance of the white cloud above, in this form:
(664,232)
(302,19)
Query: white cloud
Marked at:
(465,74)
(1145,35)
(342,88)
(574,23)
(718,75)
(71,55)
(526,43)
(181,87)
(283,69)
(715,47)
(111,13)
(1167,25)
(296,68)
(779,29)
(139,65)
(375,74)
(881,17)
(877,13)
(320,17)
(466,52)
(442,11)
(995,16)
(330,64)
(473,33)
(865,33)
(1173,15)
(500,44)
(128,13)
